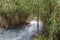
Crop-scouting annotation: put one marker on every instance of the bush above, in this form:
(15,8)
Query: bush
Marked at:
(12,12)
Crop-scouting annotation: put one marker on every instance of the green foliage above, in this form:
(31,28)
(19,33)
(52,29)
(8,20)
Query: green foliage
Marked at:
(41,37)
(48,11)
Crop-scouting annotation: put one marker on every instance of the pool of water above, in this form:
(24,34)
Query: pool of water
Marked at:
(22,33)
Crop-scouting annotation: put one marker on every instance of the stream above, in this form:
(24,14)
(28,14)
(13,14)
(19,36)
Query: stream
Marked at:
(22,33)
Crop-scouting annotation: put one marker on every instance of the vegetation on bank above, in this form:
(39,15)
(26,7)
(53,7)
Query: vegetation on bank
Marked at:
(40,37)
(14,12)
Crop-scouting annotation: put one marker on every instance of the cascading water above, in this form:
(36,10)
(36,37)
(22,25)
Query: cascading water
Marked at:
(22,33)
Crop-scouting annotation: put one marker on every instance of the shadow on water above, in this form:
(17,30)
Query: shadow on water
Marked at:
(22,33)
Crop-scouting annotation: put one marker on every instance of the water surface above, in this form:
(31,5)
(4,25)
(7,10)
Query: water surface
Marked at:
(22,33)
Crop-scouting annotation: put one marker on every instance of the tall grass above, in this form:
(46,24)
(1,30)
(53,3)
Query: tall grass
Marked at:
(48,11)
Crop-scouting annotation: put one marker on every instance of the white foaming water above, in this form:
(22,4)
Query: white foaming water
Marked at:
(22,34)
